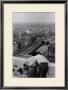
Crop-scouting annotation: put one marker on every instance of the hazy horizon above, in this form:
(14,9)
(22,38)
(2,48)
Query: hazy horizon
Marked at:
(33,18)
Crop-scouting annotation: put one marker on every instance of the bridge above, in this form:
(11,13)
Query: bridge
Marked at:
(34,46)
(31,48)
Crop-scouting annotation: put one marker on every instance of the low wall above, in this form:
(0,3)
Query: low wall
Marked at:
(18,63)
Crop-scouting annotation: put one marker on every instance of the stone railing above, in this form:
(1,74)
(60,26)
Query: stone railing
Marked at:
(18,67)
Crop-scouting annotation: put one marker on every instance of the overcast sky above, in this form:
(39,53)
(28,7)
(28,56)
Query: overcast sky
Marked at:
(34,17)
